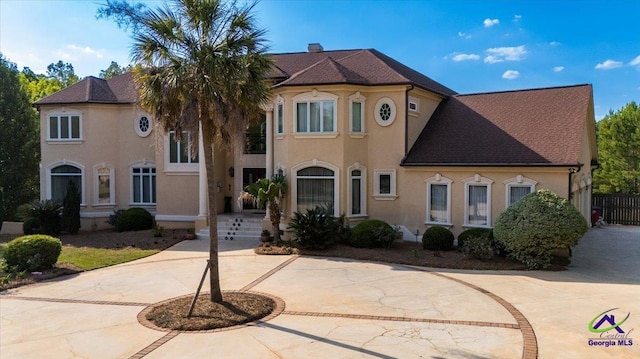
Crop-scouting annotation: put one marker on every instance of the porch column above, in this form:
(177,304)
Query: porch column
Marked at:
(269,165)
(203,205)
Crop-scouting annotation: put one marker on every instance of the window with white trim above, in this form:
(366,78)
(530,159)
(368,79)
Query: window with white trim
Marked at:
(414,104)
(64,127)
(518,187)
(315,187)
(477,196)
(60,176)
(357,189)
(356,113)
(105,186)
(143,185)
(315,113)
(143,125)
(384,184)
(385,111)
(180,152)
(438,200)
(279,118)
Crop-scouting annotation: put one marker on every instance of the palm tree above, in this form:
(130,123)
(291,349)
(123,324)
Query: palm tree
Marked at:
(200,64)
(269,192)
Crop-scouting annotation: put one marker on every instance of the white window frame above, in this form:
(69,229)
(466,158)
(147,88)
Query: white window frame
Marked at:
(50,167)
(178,167)
(376,184)
(357,98)
(479,181)
(309,97)
(144,164)
(315,163)
(363,190)
(96,185)
(413,101)
(442,181)
(136,125)
(69,115)
(392,106)
(518,181)
(279,116)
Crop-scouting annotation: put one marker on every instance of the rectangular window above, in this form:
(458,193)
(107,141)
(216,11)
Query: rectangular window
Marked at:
(144,185)
(356,192)
(477,205)
(65,127)
(180,151)
(104,185)
(356,117)
(315,116)
(280,119)
(517,192)
(384,184)
(438,203)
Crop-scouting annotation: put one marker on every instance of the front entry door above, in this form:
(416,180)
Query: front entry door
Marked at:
(249,176)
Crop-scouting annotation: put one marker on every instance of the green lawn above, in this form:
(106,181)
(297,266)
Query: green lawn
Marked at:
(93,258)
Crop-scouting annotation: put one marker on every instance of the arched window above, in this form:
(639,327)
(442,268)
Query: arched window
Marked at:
(357,189)
(315,187)
(60,178)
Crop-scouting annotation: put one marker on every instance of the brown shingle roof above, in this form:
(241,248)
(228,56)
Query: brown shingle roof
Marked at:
(527,127)
(117,90)
(361,67)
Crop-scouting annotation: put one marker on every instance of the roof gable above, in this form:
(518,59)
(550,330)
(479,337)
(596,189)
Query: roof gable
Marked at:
(528,127)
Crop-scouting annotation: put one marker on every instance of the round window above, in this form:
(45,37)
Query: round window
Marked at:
(385,111)
(143,126)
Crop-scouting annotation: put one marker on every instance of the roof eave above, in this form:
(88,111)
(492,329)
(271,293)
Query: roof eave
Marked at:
(450,164)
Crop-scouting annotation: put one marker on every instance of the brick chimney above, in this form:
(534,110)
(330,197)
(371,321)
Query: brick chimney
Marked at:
(314,47)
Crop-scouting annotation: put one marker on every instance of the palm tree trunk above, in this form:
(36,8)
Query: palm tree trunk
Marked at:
(274,214)
(214,274)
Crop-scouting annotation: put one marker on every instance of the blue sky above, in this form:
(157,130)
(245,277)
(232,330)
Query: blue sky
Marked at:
(469,46)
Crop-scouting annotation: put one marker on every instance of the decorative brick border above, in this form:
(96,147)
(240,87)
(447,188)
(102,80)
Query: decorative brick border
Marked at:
(78,301)
(265,276)
(405,319)
(142,316)
(155,345)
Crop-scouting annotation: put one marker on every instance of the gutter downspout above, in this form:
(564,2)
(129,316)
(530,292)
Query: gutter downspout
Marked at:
(406,119)
(571,172)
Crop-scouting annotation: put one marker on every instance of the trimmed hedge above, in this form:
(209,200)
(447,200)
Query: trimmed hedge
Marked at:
(536,226)
(473,232)
(437,238)
(479,246)
(134,219)
(372,233)
(32,253)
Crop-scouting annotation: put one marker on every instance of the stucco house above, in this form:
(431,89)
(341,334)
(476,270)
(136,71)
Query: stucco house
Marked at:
(351,128)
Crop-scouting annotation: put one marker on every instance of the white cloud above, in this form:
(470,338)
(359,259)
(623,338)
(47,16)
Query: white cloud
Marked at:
(635,62)
(558,69)
(490,22)
(464,35)
(511,75)
(73,52)
(85,50)
(517,17)
(464,57)
(554,43)
(608,65)
(500,54)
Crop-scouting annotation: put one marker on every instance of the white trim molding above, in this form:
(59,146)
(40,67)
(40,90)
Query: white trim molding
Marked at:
(315,163)
(360,99)
(363,190)
(314,96)
(438,179)
(65,162)
(385,111)
(392,185)
(518,181)
(478,181)
(96,184)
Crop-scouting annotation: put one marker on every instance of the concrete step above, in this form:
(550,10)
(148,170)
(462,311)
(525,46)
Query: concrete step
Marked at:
(236,227)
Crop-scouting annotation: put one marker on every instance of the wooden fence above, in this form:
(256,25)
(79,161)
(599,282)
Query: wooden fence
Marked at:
(618,208)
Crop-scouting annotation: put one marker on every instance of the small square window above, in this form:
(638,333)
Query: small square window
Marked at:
(385,184)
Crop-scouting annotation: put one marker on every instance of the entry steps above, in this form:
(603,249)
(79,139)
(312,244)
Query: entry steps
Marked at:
(236,227)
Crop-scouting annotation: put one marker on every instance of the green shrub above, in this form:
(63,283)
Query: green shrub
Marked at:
(373,233)
(47,213)
(437,238)
(32,253)
(480,246)
(314,229)
(71,209)
(30,226)
(134,219)
(1,208)
(537,225)
(473,232)
(113,218)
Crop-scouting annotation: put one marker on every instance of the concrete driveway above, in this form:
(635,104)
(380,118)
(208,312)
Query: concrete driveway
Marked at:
(337,308)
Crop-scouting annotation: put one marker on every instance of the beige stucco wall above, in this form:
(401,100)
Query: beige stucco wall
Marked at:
(108,138)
